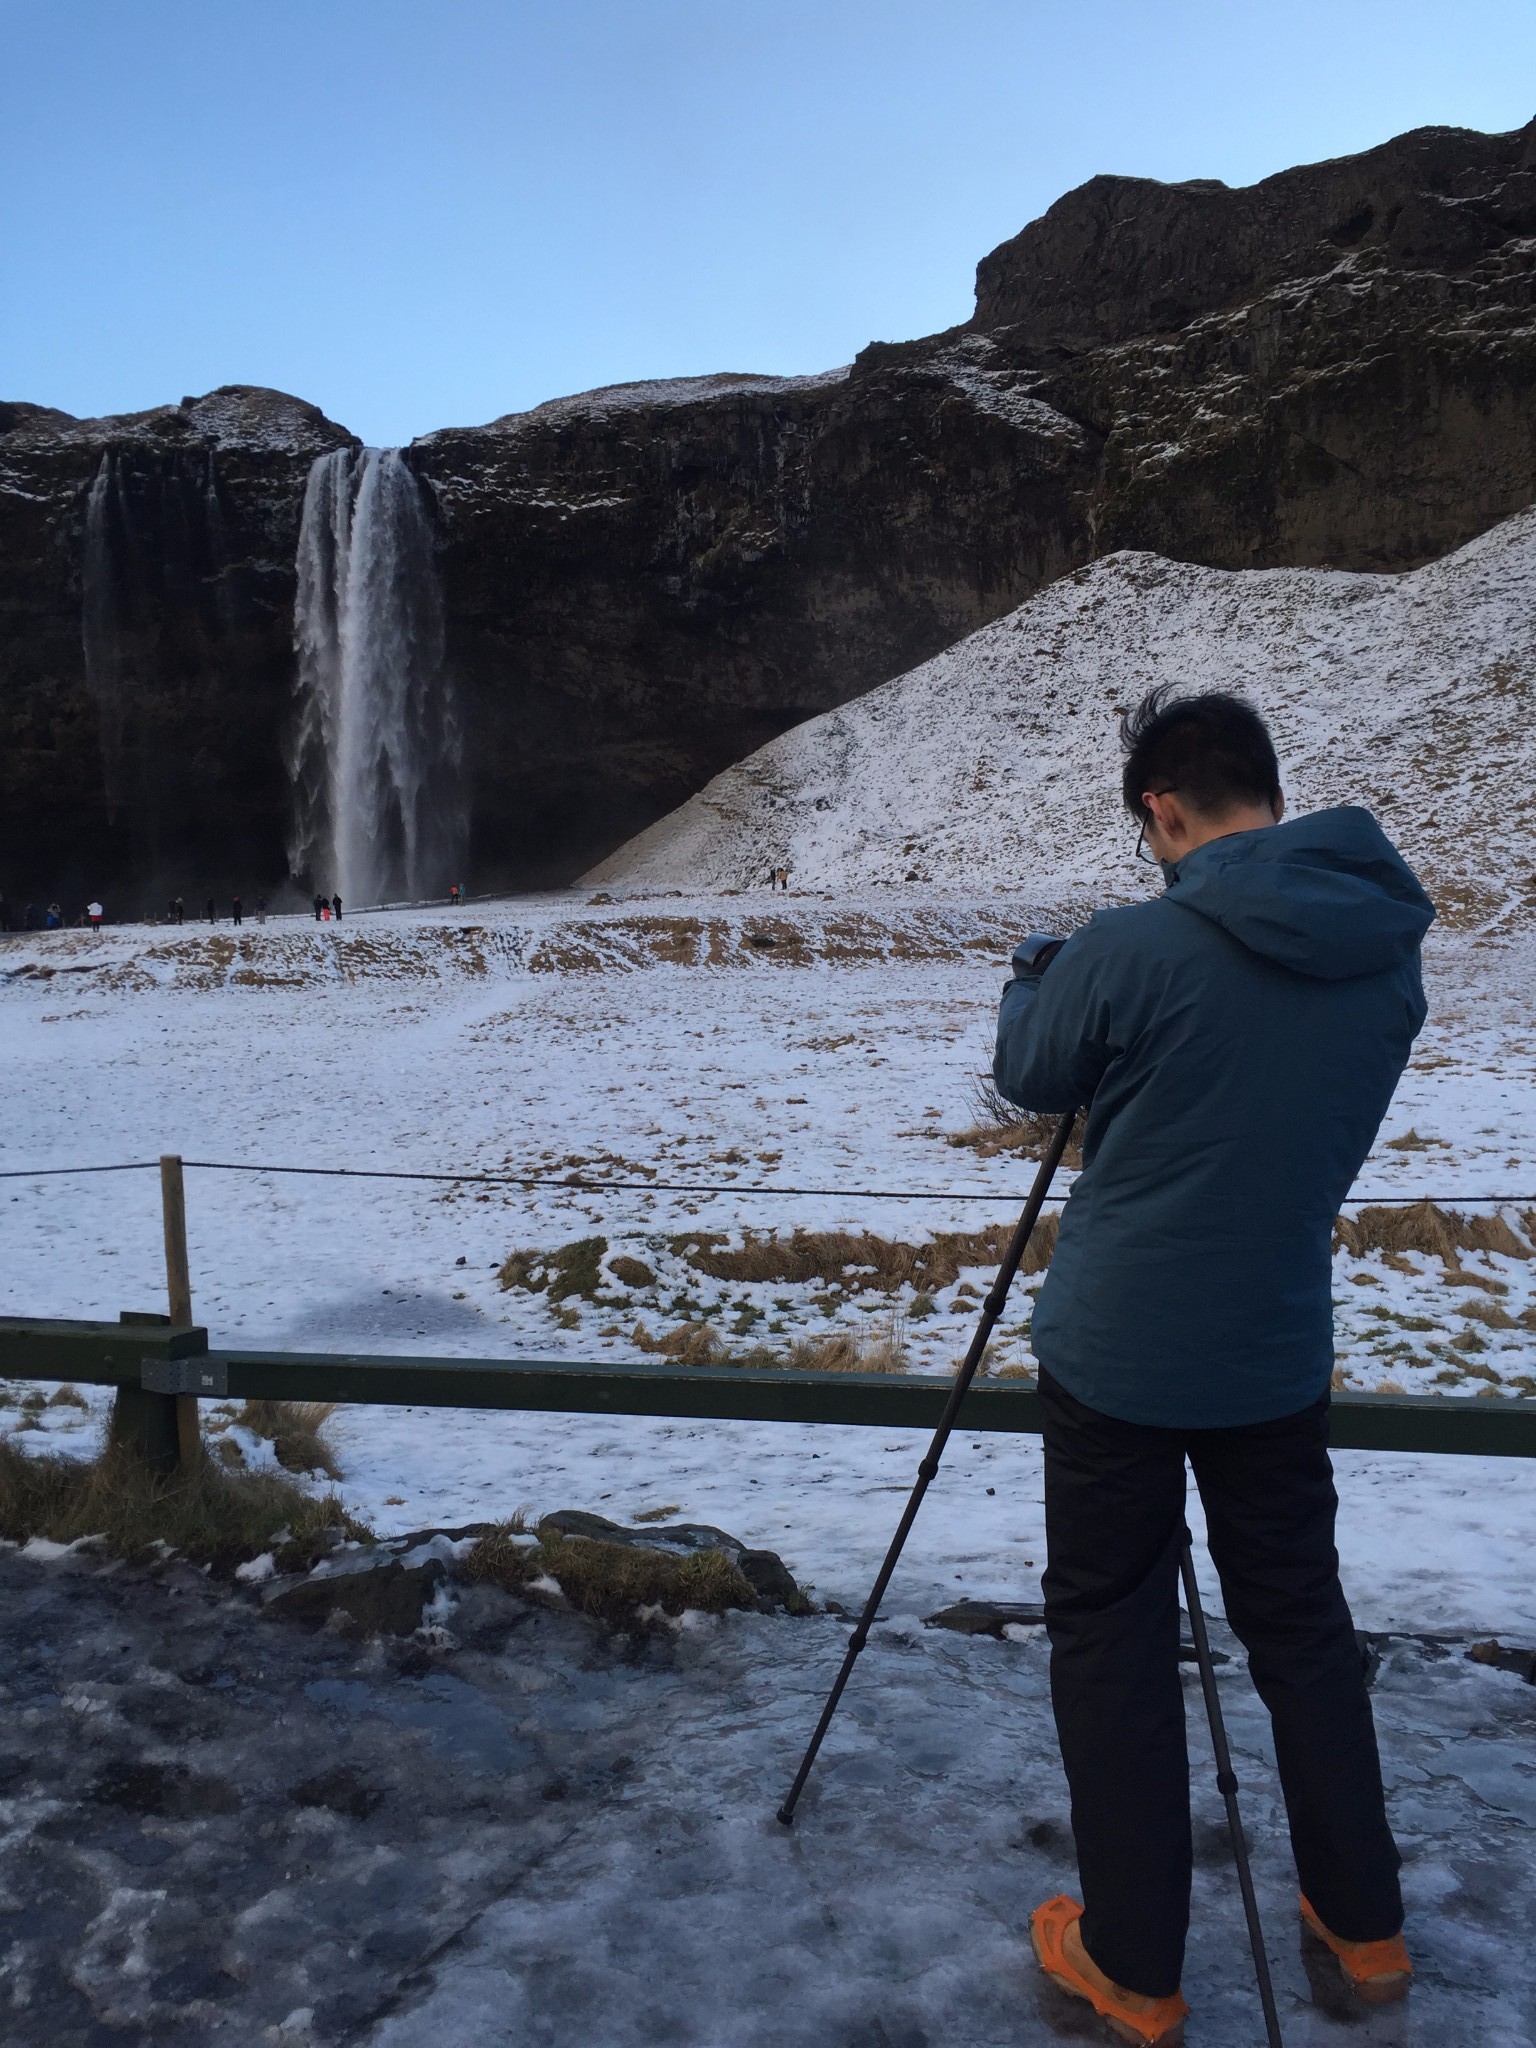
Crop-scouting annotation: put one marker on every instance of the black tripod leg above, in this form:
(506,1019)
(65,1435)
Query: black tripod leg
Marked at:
(1226,1784)
(992,1308)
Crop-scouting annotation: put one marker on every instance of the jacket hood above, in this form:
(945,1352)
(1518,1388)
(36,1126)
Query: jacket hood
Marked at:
(1327,895)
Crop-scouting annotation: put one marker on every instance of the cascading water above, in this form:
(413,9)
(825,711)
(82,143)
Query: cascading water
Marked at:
(101,624)
(154,600)
(376,754)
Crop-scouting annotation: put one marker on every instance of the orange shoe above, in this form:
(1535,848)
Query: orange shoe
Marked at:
(1148,2022)
(1377,1972)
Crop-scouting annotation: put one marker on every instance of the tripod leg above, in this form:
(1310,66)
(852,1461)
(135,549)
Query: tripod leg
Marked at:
(1226,1784)
(992,1308)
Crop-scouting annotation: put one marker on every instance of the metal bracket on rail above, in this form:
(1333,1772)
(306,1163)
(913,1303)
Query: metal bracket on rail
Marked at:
(203,1376)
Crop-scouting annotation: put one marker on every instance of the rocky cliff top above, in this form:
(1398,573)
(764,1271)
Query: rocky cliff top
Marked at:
(617,399)
(236,416)
(1120,257)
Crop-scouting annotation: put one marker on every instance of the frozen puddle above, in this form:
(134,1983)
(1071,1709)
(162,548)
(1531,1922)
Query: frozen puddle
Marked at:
(218,1827)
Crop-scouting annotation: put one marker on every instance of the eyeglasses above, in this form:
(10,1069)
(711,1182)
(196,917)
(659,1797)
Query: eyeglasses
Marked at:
(1144,852)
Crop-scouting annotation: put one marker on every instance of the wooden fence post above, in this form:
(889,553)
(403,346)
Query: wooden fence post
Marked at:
(178,1283)
(164,1429)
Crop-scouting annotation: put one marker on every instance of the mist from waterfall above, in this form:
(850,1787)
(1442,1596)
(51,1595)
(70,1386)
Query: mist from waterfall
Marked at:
(376,757)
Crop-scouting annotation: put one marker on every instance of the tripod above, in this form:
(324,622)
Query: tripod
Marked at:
(1226,1785)
(991,1309)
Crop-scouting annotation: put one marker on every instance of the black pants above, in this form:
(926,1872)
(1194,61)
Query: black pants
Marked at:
(1114,1516)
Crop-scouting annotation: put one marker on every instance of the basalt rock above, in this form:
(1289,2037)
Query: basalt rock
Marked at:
(162,544)
(384,1599)
(1335,367)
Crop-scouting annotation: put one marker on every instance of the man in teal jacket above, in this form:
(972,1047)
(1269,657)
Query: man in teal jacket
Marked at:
(1235,1044)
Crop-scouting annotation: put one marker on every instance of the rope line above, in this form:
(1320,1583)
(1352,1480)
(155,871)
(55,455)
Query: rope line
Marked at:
(45,1172)
(579,1186)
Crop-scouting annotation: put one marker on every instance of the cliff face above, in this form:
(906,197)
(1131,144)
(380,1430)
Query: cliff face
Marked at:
(647,583)
(1330,368)
(146,645)
(1336,367)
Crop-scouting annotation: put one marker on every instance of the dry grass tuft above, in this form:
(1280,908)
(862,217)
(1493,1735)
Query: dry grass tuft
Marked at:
(206,1515)
(1001,1126)
(293,1430)
(688,1344)
(884,1350)
(609,1581)
(68,1397)
(1430,1230)
(881,1350)
(631,1272)
(499,1559)
(1488,1313)
(576,1268)
(858,1261)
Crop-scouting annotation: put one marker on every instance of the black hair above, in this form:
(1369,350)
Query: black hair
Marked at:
(1214,749)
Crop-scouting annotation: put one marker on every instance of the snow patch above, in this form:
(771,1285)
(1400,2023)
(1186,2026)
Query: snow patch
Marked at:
(45,1551)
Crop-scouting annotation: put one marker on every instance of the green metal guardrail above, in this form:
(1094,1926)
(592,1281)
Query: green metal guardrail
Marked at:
(158,1361)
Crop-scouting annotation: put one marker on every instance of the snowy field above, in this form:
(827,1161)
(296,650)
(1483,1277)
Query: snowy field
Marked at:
(666,1040)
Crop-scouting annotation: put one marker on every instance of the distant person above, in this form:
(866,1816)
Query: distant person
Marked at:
(319,906)
(213,911)
(5,915)
(236,909)
(453,895)
(325,911)
(784,880)
(336,907)
(463,895)
(261,909)
(178,911)
(55,919)
(34,918)
(94,912)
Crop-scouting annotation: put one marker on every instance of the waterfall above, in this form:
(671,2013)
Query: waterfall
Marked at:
(376,752)
(155,598)
(101,624)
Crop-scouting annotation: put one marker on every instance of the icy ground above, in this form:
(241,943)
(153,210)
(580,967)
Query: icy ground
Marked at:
(668,1040)
(220,1828)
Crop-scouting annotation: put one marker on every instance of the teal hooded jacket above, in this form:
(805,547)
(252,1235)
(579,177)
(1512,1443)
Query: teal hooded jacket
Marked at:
(1235,1043)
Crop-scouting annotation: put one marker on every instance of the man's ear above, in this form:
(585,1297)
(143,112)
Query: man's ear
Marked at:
(1168,813)
(1279,805)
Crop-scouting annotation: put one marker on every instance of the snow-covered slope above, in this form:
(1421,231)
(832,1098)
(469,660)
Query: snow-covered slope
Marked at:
(996,765)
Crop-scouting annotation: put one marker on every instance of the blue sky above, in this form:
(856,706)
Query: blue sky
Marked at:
(423,213)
